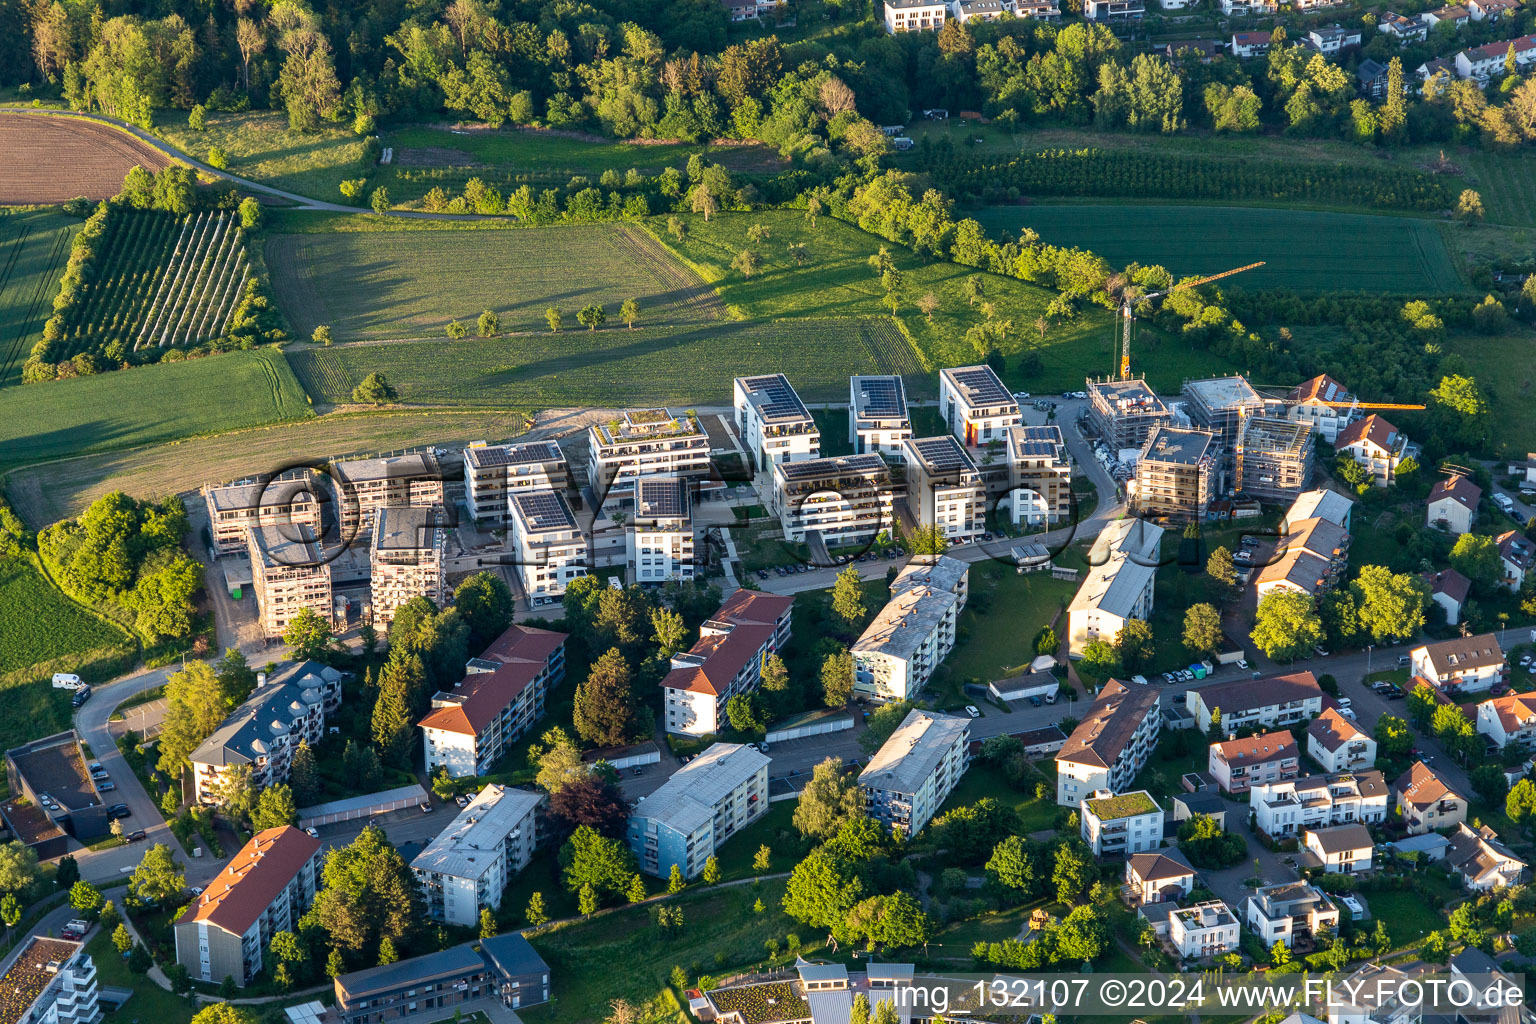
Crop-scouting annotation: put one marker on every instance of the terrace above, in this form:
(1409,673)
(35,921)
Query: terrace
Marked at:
(35,969)
(1124,805)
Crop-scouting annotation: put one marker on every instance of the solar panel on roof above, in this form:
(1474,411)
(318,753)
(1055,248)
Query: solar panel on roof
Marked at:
(667,498)
(882,397)
(517,454)
(981,386)
(545,510)
(867,463)
(941,453)
(774,397)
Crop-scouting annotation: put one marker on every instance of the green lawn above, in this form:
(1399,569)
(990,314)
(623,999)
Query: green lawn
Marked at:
(1302,249)
(34,246)
(149,405)
(1002,616)
(955,939)
(1507,183)
(1035,815)
(738,851)
(1407,915)
(149,1002)
(1502,366)
(261,147)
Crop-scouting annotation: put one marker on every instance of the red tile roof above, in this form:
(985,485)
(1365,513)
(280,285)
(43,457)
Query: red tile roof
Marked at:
(1458,489)
(1320,388)
(1260,749)
(753,618)
(1373,429)
(252,880)
(1450,583)
(1419,786)
(1332,730)
(1513,710)
(523,652)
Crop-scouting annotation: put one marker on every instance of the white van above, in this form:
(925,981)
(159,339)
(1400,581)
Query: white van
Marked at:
(67,681)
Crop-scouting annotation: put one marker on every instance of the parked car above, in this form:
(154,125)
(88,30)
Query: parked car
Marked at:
(461,800)
(136,837)
(81,696)
(1050,698)
(313,832)
(106,787)
(1035,702)
(94,766)
(971,709)
(119,811)
(100,775)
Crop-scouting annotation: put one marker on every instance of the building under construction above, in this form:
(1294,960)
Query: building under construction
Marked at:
(1124,412)
(1220,405)
(1175,476)
(1272,458)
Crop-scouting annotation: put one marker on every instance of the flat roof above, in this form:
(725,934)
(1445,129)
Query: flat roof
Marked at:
(291,488)
(1220,393)
(409,528)
(979,386)
(286,545)
(1128,397)
(643,426)
(662,497)
(774,397)
(468,846)
(409,466)
(1122,805)
(912,753)
(832,466)
(878,397)
(543,511)
(940,455)
(29,975)
(54,765)
(521,453)
(1039,442)
(1273,435)
(1177,445)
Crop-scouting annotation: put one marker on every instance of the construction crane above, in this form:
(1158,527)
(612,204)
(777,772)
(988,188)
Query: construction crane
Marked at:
(1352,404)
(1127,314)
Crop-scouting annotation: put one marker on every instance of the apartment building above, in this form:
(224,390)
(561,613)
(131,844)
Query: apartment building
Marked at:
(914,15)
(1282,809)
(1424,801)
(1322,404)
(1039,476)
(944,488)
(642,443)
(1274,702)
(1120,825)
(1466,664)
(1113,10)
(494,472)
(288,709)
(548,543)
(502,695)
(1492,11)
(1158,876)
(469,863)
(288,574)
(1204,930)
(1240,764)
(848,499)
(658,541)
(1338,744)
(1319,504)
(1486,62)
(1110,745)
(287,500)
(437,986)
(1123,413)
(51,981)
(726,660)
(1509,719)
(1310,559)
(1272,459)
(1176,474)
(1220,405)
(942,572)
(1452,505)
(414,478)
(976,407)
(1377,445)
(1290,911)
(772,421)
(977,10)
(1340,849)
(877,416)
(904,644)
(1122,565)
(263,890)
(915,770)
(406,559)
(703,804)
(1481,861)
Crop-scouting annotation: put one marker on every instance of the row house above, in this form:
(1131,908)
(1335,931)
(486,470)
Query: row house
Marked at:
(1310,559)
(1489,61)
(1283,809)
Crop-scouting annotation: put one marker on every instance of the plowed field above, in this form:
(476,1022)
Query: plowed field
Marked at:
(53,159)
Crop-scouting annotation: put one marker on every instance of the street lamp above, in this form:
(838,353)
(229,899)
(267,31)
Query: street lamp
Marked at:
(1368,649)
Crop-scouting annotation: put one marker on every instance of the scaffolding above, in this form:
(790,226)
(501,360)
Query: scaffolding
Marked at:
(1124,412)
(1273,458)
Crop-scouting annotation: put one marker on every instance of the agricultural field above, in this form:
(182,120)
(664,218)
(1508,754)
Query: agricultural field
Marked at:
(260,147)
(159,281)
(409,284)
(46,493)
(34,247)
(1507,183)
(52,159)
(147,405)
(427,157)
(1302,250)
(615,366)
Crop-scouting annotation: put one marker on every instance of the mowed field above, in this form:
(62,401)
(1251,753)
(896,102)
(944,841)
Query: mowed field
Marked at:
(1505,367)
(51,159)
(411,283)
(148,405)
(1507,183)
(615,366)
(1302,249)
(34,247)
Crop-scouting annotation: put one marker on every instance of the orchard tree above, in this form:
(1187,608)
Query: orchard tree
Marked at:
(375,389)
(488,324)
(591,317)
(629,312)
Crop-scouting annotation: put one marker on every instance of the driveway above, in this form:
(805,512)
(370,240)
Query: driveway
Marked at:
(1230,884)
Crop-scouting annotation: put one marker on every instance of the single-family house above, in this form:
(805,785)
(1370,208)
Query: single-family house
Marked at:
(1158,875)
(1492,11)
(1240,764)
(1408,30)
(1331,40)
(1377,445)
(1341,849)
(1455,15)
(1448,589)
(1203,930)
(1249,44)
(1466,664)
(1425,802)
(1338,744)
(1517,557)
(1481,860)
(1289,911)
(1373,78)
(1452,505)
(1509,719)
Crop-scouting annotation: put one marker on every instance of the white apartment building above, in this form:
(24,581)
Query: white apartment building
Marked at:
(1338,744)
(1341,849)
(1274,702)
(263,890)
(287,500)
(1110,745)
(1509,719)
(1375,444)
(1467,664)
(658,539)
(1119,826)
(1283,913)
(1203,930)
(975,405)
(905,642)
(52,981)
(943,572)
(726,660)
(288,574)
(914,15)
(1488,61)
(772,421)
(1322,402)
(642,443)
(916,769)
(1286,809)
(414,478)
(848,499)
(549,545)
(877,416)
(1039,476)
(471,861)
(1122,566)
(406,559)
(494,472)
(944,488)
(703,804)
(499,699)
(263,732)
